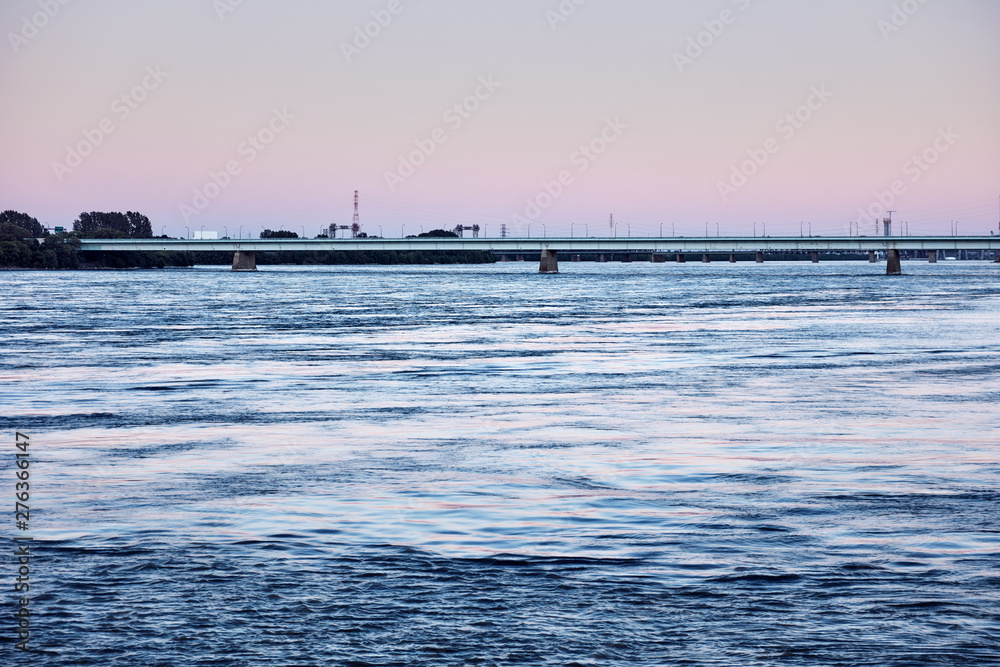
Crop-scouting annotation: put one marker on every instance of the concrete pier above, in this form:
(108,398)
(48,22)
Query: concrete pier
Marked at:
(871,257)
(892,266)
(681,259)
(705,259)
(627,259)
(574,258)
(760,258)
(815,258)
(549,262)
(602,257)
(519,258)
(932,256)
(244,261)
(732,258)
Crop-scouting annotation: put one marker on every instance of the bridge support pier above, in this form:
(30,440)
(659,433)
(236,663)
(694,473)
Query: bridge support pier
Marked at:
(932,256)
(705,259)
(601,257)
(575,258)
(871,257)
(892,266)
(732,258)
(244,261)
(815,258)
(681,259)
(549,262)
(760,258)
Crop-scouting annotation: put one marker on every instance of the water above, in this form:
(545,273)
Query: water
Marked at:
(639,464)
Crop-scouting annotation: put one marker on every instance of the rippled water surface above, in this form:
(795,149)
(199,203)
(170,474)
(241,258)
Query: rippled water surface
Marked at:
(629,464)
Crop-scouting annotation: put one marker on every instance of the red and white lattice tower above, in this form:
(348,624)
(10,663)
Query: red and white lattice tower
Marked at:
(356,221)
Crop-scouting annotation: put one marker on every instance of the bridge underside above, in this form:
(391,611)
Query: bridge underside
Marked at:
(549,260)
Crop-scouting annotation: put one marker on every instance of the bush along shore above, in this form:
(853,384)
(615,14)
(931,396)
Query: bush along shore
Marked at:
(27,244)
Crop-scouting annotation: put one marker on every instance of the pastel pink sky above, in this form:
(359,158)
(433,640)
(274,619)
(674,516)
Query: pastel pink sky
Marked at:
(892,94)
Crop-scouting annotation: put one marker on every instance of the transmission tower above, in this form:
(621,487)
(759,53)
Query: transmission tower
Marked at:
(356,221)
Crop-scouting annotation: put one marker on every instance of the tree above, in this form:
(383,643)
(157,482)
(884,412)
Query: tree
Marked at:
(132,224)
(23,220)
(282,234)
(438,234)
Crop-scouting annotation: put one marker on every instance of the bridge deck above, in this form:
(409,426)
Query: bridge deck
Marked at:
(567,245)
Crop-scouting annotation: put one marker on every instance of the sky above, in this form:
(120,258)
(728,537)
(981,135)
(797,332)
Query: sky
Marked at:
(547,116)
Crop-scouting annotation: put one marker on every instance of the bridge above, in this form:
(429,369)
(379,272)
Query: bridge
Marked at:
(244,250)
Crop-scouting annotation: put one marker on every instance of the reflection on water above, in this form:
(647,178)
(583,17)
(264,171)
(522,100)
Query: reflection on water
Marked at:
(637,464)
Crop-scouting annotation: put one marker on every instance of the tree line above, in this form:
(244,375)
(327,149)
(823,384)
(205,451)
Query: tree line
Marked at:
(26,243)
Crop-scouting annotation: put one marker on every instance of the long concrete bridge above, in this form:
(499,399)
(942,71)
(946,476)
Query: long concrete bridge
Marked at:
(244,250)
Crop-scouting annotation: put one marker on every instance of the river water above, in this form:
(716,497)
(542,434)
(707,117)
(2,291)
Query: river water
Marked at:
(625,464)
